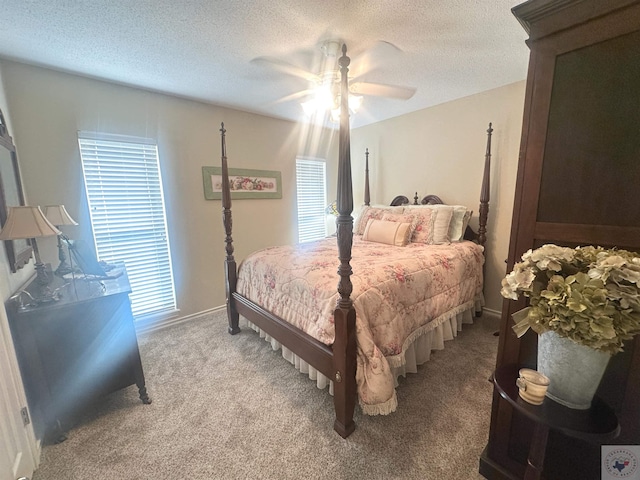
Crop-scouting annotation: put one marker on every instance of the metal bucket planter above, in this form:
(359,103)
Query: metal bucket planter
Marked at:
(574,370)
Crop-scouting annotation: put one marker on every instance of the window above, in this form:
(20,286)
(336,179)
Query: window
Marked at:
(311,183)
(124,191)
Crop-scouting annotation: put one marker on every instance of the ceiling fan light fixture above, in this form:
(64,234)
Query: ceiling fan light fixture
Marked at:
(355,102)
(309,107)
(313,107)
(335,115)
(323,100)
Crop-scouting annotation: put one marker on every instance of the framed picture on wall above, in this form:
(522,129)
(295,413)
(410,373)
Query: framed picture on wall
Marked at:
(244,183)
(11,195)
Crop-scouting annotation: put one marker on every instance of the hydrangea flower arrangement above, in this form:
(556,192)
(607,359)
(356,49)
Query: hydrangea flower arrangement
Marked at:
(588,294)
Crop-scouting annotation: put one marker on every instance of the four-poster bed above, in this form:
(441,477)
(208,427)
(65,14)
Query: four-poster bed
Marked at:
(354,354)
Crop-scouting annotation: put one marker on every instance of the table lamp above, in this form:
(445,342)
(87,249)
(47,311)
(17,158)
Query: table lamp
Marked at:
(29,223)
(58,216)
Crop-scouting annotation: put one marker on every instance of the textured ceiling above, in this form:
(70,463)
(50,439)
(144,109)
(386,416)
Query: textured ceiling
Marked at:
(202,49)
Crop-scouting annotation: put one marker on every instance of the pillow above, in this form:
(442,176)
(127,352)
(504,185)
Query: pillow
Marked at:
(402,218)
(433,228)
(465,223)
(423,229)
(390,233)
(457,225)
(441,224)
(375,212)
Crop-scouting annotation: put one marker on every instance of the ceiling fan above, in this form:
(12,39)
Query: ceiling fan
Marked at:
(324,83)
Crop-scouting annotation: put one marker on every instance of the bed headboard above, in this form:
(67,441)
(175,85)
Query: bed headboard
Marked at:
(428,200)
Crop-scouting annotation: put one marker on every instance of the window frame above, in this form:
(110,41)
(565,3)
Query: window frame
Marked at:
(138,207)
(320,227)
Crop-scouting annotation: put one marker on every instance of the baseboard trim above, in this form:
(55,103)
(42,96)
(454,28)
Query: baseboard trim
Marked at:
(491,317)
(491,312)
(488,314)
(168,322)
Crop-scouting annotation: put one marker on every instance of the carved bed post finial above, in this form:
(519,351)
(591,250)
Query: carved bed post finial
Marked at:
(484,193)
(367,196)
(344,345)
(231,272)
(415,199)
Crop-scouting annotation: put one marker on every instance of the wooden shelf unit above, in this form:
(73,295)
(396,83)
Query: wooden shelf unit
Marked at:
(577,184)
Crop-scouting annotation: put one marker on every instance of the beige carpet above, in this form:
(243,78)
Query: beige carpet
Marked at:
(228,407)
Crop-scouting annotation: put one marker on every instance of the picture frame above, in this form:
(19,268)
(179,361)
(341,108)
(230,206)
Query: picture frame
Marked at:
(11,195)
(245,183)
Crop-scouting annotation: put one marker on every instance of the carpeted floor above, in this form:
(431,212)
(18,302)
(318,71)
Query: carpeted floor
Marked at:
(228,407)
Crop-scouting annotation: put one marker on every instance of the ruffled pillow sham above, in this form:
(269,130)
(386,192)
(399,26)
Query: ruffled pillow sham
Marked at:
(374,212)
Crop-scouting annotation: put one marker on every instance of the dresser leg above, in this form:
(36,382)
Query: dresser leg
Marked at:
(144,396)
(55,434)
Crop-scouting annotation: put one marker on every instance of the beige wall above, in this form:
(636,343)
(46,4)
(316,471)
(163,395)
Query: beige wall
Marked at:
(437,150)
(441,150)
(49,107)
(10,282)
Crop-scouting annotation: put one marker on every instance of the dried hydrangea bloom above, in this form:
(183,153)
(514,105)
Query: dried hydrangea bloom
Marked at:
(588,294)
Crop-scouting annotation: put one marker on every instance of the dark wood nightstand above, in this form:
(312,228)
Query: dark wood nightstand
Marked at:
(75,349)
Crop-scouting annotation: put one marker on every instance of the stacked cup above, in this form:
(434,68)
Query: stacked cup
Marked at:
(532,385)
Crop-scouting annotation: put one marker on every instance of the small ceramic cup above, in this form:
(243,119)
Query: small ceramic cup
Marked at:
(532,385)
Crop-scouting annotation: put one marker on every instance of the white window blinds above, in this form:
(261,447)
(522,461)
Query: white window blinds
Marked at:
(312,199)
(124,191)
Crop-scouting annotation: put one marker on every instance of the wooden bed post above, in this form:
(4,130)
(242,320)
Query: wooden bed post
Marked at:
(484,193)
(367,196)
(230,270)
(344,346)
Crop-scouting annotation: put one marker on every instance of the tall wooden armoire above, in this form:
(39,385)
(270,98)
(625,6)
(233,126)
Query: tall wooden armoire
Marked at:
(578,183)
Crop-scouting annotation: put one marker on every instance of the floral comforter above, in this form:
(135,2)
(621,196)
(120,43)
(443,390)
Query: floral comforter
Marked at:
(399,293)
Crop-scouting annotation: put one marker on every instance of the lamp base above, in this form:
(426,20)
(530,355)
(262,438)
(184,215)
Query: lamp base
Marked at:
(63,269)
(43,277)
(47,296)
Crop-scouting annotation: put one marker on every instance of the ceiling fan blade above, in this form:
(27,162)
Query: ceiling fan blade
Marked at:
(381,90)
(295,96)
(378,55)
(285,67)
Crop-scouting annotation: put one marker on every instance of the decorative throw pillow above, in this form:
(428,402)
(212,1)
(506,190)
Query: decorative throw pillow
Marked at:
(402,218)
(390,233)
(433,229)
(423,230)
(372,212)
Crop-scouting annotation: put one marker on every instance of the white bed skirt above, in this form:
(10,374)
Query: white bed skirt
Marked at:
(414,354)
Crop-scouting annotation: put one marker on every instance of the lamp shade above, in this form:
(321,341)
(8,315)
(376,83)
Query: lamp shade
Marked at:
(58,215)
(27,222)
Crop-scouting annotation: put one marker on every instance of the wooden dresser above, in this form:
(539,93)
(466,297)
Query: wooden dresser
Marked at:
(76,349)
(578,183)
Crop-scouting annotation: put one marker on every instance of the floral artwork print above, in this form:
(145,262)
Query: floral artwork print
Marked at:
(247,184)
(243,183)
